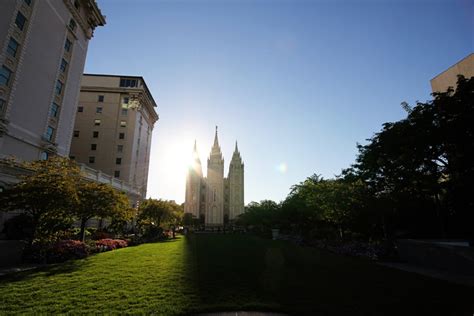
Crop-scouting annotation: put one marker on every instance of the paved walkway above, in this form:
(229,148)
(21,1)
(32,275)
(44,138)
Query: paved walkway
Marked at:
(437,274)
(25,267)
(242,313)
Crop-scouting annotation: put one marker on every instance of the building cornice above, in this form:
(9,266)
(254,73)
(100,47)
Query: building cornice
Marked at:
(94,16)
(143,96)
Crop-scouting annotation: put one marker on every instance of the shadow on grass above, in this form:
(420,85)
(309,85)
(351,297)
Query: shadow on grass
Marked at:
(46,270)
(230,273)
(242,272)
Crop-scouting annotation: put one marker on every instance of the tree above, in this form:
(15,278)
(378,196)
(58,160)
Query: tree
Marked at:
(47,193)
(154,214)
(423,165)
(100,200)
(262,216)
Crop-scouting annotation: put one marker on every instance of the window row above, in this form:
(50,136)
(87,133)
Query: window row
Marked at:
(97,122)
(128,83)
(118,161)
(95,134)
(99,110)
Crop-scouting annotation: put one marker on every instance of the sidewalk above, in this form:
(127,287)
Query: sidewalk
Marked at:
(24,267)
(433,273)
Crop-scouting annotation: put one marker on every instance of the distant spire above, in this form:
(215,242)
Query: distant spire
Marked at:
(236,148)
(216,140)
(195,146)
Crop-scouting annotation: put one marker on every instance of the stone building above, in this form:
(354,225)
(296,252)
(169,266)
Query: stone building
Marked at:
(449,77)
(214,199)
(113,129)
(42,55)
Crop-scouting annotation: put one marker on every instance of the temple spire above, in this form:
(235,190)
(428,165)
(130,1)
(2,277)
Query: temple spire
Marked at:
(195,146)
(236,148)
(216,140)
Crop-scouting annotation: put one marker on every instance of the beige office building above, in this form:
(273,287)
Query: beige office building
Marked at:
(449,77)
(114,123)
(42,55)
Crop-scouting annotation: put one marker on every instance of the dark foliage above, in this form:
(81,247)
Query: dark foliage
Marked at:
(412,179)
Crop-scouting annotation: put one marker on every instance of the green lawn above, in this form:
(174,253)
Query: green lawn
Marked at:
(228,272)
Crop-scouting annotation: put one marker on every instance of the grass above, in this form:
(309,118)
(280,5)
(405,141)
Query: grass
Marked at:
(228,272)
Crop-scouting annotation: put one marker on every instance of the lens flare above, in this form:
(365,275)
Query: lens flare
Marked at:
(282,168)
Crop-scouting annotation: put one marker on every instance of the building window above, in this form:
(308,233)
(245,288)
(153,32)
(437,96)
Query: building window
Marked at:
(59,87)
(95,134)
(93,146)
(20,21)
(123,123)
(63,65)
(118,161)
(72,25)
(119,148)
(117,173)
(91,159)
(76,134)
(98,109)
(96,122)
(67,45)
(80,109)
(44,155)
(126,100)
(132,83)
(122,136)
(49,133)
(100,98)
(2,105)
(12,47)
(28,2)
(5,75)
(124,111)
(54,110)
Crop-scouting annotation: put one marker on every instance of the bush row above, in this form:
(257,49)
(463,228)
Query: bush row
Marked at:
(69,249)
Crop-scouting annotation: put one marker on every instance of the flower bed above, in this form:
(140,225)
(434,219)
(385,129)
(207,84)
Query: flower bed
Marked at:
(69,249)
(110,244)
(56,252)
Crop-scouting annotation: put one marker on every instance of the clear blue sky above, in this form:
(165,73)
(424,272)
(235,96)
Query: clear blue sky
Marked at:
(295,82)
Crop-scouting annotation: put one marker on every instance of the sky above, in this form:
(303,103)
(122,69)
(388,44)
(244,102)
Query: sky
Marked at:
(297,83)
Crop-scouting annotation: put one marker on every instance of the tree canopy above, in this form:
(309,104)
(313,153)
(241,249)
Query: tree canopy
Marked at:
(412,178)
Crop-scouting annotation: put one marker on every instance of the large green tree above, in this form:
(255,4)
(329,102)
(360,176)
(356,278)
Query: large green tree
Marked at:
(100,200)
(423,165)
(158,213)
(47,192)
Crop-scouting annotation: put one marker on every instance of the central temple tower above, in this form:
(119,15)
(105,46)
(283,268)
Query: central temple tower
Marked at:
(215,186)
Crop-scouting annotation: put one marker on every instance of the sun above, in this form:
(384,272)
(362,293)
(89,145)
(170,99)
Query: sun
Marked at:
(176,160)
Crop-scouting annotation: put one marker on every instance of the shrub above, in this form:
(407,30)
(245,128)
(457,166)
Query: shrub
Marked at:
(110,244)
(152,233)
(55,252)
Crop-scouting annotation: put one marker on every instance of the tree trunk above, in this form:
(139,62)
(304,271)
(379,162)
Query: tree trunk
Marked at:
(82,234)
(34,227)
(441,218)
